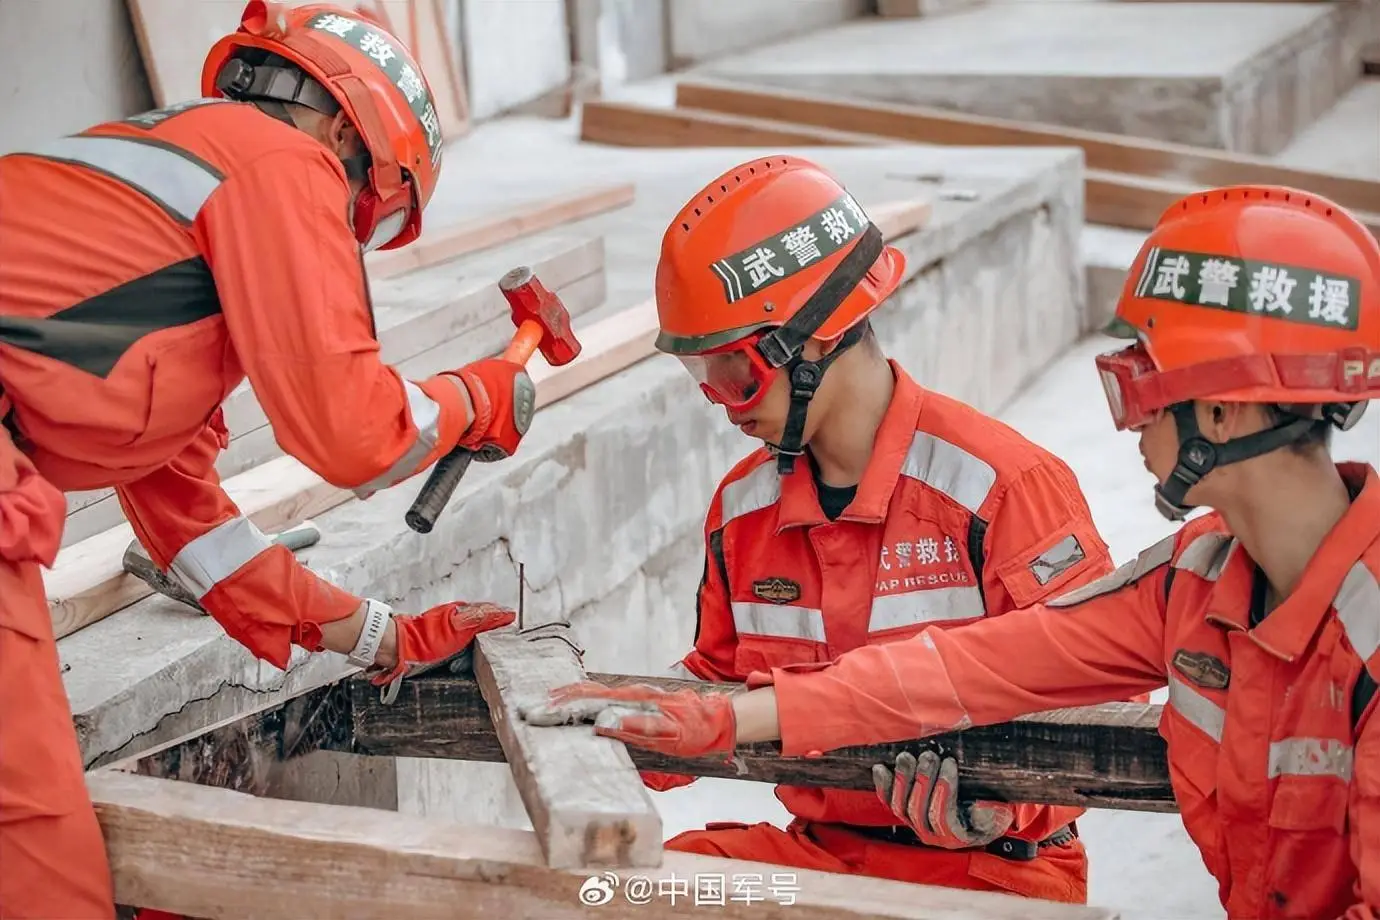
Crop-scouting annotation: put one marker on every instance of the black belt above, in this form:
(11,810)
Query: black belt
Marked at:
(1012,848)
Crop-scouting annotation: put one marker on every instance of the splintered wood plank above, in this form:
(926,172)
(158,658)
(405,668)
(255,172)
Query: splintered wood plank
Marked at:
(1108,756)
(213,853)
(587,803)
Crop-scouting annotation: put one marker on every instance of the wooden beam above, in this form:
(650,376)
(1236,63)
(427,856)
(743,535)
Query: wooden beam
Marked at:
(1108,756)
(88,583)
(583,795)
(1112,153)
(492,230)
(1114,199)
(213,853)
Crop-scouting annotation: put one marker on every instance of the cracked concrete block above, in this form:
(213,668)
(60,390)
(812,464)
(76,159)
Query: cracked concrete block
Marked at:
(604,503)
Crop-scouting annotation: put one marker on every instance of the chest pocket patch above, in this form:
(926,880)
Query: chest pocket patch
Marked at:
(1207,671)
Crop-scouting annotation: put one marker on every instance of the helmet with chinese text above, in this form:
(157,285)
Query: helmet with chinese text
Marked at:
(356,66)
(1258,294)
(771,254)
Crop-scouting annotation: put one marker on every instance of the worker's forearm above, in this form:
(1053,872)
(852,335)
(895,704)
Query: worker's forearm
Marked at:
(755,716)
(342,635)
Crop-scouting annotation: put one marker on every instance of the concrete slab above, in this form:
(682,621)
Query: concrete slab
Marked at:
(704,29)
(1240,76)
(604,503)
(1108,253)
(1346,139)
(514,52)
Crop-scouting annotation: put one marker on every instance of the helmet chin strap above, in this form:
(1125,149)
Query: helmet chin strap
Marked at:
(1198,456)
(784,346)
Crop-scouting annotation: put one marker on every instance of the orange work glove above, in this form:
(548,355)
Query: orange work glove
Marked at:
(663,782)
(435,638)
(923,792)
(504,398)
(680,724)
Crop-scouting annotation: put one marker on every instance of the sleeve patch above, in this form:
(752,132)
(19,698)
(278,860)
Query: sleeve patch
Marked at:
(1050,565)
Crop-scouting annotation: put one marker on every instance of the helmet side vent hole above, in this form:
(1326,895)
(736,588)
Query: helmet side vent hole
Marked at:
(685,227)
(709,198)
(723,188)
(697,212)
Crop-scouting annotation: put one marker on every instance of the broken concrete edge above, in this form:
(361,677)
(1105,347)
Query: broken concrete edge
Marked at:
(628,465)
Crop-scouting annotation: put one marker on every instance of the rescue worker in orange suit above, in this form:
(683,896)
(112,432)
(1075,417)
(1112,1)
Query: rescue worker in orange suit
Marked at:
(1256,318)
(876,508)
(147,267)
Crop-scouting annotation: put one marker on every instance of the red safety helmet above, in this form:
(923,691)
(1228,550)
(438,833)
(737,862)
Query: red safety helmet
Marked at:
(1254,294)
(769,255)
(359,67)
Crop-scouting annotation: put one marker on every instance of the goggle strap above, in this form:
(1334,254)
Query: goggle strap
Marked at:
(784,342)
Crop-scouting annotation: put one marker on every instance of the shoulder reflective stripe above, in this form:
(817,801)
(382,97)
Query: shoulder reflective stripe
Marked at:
(1127,574)
(217,554)
(1358,607)
(895,611)
(1310,757)
(950,469)
(426,418)
(1207,555)
(680,672)
(1197,709)
(177,181)
(778,621)
(759,489)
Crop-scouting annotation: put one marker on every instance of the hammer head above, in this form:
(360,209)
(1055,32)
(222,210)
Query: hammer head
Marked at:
(530,300)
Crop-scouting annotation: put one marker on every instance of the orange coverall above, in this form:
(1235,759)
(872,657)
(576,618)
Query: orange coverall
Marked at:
(146,267)
(1274,755)
(957,517)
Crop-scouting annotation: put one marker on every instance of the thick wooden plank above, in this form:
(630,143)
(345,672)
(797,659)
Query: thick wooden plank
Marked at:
(1114,199)
(1109,756)
(206,852)
(584,797)
(1112,153)
(491,230)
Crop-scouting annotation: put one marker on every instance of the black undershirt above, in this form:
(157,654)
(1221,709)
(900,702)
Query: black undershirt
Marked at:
(832,499)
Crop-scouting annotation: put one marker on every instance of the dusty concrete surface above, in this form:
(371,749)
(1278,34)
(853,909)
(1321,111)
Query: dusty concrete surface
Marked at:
(1239,76)
(514,52)
(1107,256)
(622,40)
(70,64)
(704,29)
(1346,139)
(604,502)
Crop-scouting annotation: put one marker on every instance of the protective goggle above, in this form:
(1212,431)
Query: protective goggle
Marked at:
(1130,381)
(735,376)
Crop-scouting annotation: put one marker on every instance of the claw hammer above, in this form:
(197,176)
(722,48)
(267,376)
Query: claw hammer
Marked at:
(542,323)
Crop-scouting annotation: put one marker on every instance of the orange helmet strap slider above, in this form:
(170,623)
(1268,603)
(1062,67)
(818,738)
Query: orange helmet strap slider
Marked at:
(785,342)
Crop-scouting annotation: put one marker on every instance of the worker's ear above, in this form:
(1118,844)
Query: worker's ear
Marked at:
(344,139)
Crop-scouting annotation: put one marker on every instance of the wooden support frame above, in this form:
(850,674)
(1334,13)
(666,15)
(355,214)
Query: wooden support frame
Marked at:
(1109,756)
(582,793)
(218,854)
(88,583)
(1115,199)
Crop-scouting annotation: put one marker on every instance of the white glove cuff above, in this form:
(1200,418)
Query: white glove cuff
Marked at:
(376,617)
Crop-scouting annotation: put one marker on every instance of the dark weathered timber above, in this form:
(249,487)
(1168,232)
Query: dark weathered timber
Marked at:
(1108,756)
(1098,756)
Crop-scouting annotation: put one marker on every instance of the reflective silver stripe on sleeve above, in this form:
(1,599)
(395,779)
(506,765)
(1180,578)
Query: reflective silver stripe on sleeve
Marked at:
(1207,555)
(1197,709)
(1358,607)
(1127,574)
(895,611)
(217,554)
(950,469)
(1310,757)
(778,621)
(759,489)
(426,417)
(177,182)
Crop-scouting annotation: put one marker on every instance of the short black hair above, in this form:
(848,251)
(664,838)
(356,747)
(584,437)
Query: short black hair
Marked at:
(1318,435)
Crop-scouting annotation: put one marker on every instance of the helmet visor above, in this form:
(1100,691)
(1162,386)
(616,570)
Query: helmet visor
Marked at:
(734,375)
